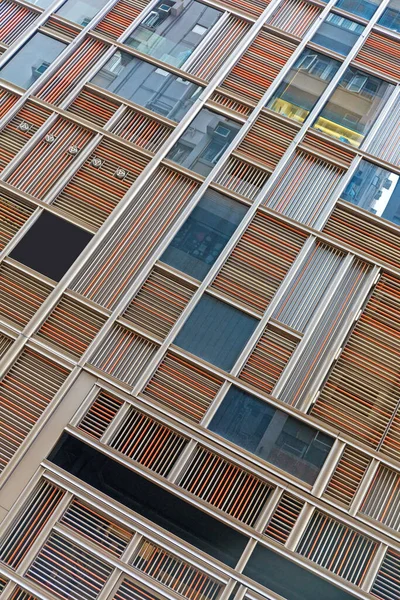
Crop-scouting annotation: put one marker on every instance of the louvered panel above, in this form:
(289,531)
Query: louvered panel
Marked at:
(316,142)
(14,212)
(387,582)
(25,392)
(294,16)
(159,303)
(284,518)
(21,295)
(125,248)
(260,64)
(5,344)
(226,486)
(14,20)
(100,414)
(175,573)
(380,53)
(336,547)
(29,522)
(268,359)
(307,289)
(7,101)
(3,583)
(249,7)
(222,44)
(186,389)
(93,107)
(71,326)
(390,446)
(123,354)
(382,502)
(267,140)
(19,130)
(386,142)
(66,78)
(144,131)
(230,103)
(362,390)
(259,262)
(97,528)
(20,594)
(307,184)
(50,158)
(242,177)
(130,590)
(57,25)
(120,17)
(69,571)
(148,442)
(348,474)
(101,182)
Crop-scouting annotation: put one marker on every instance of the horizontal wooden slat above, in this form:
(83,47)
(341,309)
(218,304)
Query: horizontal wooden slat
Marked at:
(284,518)
(14,20)
(120,17)
(142,130)
(382,502)
(93,107)
(294,16)
(387,582)
(7,101)
(314,141)
(5,344)
(14,212)
(68,30)
(253,8)
(242,177)
(100,414)
(230,103)
(131,590)
(347,476)
(380,53)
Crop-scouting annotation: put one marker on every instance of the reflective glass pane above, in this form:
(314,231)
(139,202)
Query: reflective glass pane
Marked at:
(353,107)
(173,30)
(271,434)
(216,332)
(205,233)
(362,8)
(376,190)
(147,85)
(204,142)
(338,34)
(391,16)
(303,85)
(41,3)
(81,11)
(31,60)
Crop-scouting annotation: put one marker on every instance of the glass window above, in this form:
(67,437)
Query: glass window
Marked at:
(31,60)
(353,107)
(303,85)
(362,8)
(216,332)
(147,85)
(41,3)
(338,34)
(81,11)
(204,235)
(391,16)
(271,434)
(376,190)
(204,142)
(172,30)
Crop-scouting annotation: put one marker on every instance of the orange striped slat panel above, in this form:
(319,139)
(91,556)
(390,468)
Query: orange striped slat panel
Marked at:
(144,131)
(229,103)
(267,140)
(387,582)
(382,502)
(336,547)
(348,474)
(159,302)
(65,80)
(7,100)
(148,442)
(14,19)
(258,264)
(101,182)
(20,594)
(100,414)
(57,25)
(174,573)
(284,518)
(318,143)
(123,354)
(248,7)
(268,359)
(14,212)
(120,17)
(131,590)
(226,486)
(50,158)
(94,107)
(25,392)
(5,344)
(71,326)
(29,522)
(21,295)
(380,53)
(242,177)
(184,388)
(363,388)
(260,64)
(391,441)
(3,583)
(294,16)
(123,251)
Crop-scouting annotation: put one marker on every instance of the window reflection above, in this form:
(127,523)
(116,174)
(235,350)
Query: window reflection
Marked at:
(303,85)
(172,30)
(271,434)
(147,85)
(391,16)
(376,190)
(205,233)
(204,142)
(353,107)
(362,8)
(338,34)
(81,11)
(41,3)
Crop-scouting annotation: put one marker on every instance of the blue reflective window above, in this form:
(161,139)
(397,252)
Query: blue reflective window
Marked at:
(391,16)
(338,34)
(362,8)
(81,11)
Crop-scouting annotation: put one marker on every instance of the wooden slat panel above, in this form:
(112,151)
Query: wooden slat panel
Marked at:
(93,107)
(20,594)
(120,17)
(14,212)
(380,53)
(391,441)
(14,19)
(57,25)
(317,142)
(7,101)
(5,344)
(242,177)
(130,590)
(231,104)
(348,474)
(382,502)
(100,414)
(387,582)
(142,130)
(284,518)
(294,16)
(253,8)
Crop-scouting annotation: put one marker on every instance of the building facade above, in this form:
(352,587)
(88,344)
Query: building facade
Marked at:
(199,299)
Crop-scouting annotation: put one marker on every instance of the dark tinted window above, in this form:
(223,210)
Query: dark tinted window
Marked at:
(362,8)
(149,500)
(50,246)
(338,34)
(391,16)
(81,11)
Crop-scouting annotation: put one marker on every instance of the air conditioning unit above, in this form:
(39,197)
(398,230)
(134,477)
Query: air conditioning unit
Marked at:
(222,132)
(164,10)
